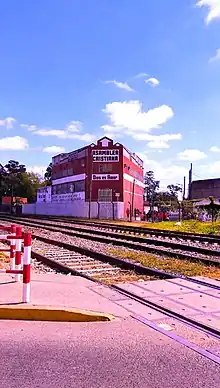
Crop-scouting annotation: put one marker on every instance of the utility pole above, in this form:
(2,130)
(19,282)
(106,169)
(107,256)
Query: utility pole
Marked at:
(184,187)
(190,183)
(1,181)
(90,185)
(132,200)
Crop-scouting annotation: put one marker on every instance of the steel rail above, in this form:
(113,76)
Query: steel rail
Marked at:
(119,240)
(134,229)
(156,306)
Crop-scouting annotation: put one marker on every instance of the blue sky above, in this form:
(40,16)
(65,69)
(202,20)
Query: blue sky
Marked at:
(146,72)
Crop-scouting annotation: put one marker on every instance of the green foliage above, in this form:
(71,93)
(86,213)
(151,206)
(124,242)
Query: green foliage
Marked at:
(16,182)
(48,174)
(30,182)
(174,190)
(151,186)
(191,226)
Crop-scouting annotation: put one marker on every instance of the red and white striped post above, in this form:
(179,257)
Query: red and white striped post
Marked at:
(18,244)
(12,248)
(27,268)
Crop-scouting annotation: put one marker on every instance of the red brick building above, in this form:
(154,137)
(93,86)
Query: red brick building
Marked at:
(104,178)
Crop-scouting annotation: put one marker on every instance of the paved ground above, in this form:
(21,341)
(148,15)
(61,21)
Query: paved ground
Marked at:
(60,290)
(121,353)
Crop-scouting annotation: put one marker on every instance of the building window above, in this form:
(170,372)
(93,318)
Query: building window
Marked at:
(83,163)
(105,195)
(103,168)
(59,189)
(79,186)
(66,188)
(70,171)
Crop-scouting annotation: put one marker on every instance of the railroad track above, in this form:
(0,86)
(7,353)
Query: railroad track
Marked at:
(64,259)
(101,228)
(69,259)
(205,238)
(80,262)
(161,247)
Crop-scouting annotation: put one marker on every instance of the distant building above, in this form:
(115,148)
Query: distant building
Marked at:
(102,180)
(44,194)
(9,200)
(205,188)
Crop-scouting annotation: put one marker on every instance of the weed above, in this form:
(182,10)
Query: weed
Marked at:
(168,264)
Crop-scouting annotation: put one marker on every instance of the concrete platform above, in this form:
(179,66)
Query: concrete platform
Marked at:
(120,353)
(59,291)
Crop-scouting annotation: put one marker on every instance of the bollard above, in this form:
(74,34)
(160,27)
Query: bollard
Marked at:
(18,244)
(26,268)
(12,248)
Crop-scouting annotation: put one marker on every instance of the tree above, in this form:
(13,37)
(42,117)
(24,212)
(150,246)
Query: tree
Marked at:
(14,167)
(174,190)
(48,174)
(163,198)
(16,182)
(151,185)
(13,177)
(30,182)
(3,186)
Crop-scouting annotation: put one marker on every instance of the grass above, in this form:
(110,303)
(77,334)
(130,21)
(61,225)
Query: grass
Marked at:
(172,265)
(192,226)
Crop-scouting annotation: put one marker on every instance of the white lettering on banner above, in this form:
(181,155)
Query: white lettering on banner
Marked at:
(69,197)
(105,177)
(105,155)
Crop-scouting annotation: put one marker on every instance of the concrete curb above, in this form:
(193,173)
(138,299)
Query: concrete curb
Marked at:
(51,313)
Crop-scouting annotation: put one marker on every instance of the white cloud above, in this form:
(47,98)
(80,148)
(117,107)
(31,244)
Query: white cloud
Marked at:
(110,129)
(72,131)
(128,116)
(158,144)
(165,171)
(8,122)
(166,137)
(213,9)
(152,82)
(216,57)
(13,143)
(74,126)
(158,141)
(141,75)
(191,155)
(62,134)
(210,170)
(214,149)
(120,85)
(29,127)
(54,150)
(37,169)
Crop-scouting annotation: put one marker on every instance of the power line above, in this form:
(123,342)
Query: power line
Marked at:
(198,176)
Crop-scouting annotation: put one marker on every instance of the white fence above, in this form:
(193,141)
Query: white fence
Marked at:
(76,209)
